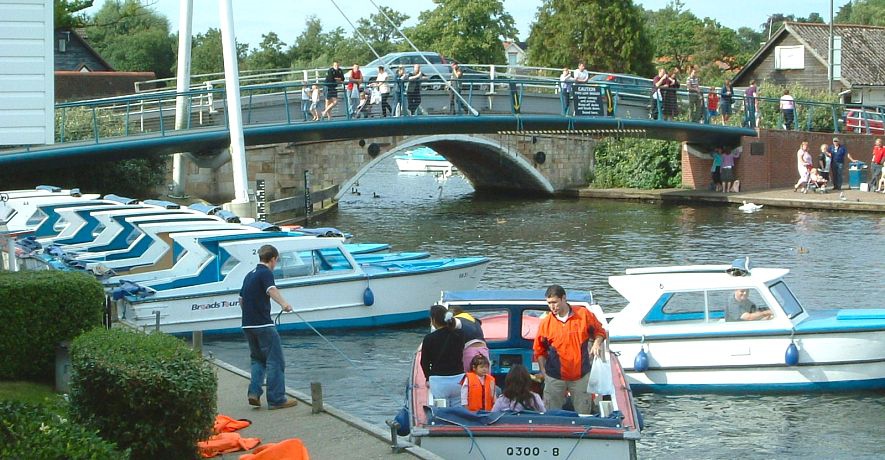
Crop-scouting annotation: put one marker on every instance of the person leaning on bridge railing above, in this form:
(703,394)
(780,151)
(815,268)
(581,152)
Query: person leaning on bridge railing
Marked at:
(334,77)
(695,101)
(565,89)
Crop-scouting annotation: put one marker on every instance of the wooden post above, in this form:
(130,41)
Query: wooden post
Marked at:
(316,396)
(197,341)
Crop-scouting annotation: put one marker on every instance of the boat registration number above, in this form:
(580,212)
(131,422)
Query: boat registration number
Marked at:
(519,451)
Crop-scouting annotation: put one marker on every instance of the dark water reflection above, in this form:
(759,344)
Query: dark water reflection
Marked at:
(836,261)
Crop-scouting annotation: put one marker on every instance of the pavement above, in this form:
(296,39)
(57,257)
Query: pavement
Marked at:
(834,200)
(330,434)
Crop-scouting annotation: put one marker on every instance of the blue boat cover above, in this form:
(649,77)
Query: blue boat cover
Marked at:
(120,199)
(129,288)
(228,216)
(511,295)
(48,188)
(209,209)
(264,226)
(866,313)
(163,204)
(329,232)
(460,416)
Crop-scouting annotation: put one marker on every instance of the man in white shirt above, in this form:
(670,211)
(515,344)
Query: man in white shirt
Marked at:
(581,74)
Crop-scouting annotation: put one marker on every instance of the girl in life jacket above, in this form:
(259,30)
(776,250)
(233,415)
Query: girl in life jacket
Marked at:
(478,386)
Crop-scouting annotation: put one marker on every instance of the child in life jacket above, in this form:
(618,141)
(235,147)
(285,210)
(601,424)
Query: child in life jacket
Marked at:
(478,386)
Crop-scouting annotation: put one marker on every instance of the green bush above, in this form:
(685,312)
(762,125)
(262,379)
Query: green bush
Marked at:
(33,432)
(147,392)
(637,163)
(814,108)
(37,311)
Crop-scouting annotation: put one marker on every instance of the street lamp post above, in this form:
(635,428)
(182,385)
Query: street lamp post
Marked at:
(830,66)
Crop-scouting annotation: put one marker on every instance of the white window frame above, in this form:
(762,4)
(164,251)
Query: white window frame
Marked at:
(789,57)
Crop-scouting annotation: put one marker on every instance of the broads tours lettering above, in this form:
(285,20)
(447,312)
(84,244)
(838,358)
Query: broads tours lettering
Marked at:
(214,305)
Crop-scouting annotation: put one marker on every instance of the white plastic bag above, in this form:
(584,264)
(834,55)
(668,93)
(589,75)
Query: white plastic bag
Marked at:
(600,381)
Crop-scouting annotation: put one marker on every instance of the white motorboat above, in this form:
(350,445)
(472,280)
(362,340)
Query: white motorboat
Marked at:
(510,320)
(423,159)
(732,328)
(327,286)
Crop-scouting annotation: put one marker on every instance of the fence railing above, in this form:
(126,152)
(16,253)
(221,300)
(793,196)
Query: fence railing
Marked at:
(285,102)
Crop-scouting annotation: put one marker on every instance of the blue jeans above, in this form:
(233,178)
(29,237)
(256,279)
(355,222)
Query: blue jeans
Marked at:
(836,175)
(305,108)
(267,361)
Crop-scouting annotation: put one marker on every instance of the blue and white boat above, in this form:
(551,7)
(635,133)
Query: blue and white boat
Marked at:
(682,332)
(423,159)
(510,320)
(327,286)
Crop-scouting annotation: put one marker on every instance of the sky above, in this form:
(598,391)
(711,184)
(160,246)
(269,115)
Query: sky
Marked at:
(252,18)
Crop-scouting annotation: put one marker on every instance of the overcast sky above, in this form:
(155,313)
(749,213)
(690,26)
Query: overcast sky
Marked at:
(252,18)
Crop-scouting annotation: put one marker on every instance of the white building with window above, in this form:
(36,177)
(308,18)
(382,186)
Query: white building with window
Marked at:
(798,53)
(514,51)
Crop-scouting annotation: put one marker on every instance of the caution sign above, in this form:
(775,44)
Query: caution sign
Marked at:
(591,101)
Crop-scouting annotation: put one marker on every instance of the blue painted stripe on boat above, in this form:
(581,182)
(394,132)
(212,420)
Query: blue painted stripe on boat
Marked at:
(850,385)
(707,367)
(353,323)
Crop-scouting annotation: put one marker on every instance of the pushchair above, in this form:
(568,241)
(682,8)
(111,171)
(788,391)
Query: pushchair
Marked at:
(815,182)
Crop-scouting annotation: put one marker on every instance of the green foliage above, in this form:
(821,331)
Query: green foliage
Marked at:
(207,55)
(814,108)
(637,163)
(65,12)
(133,37)
(37,311)
(269,54)
(28,392)
(147,392)
(31,431)
(466,30)
(138,178)
(608,35)
(866,12)
(378,31)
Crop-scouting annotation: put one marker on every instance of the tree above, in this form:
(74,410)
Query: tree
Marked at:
(132,37)
(65,13)
(380,33)
(207,55)
(269,54)
(467,30)
(866,12)
(609,35)
(673,31)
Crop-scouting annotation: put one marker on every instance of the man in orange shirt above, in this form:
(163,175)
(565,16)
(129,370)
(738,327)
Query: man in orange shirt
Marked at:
(564,351)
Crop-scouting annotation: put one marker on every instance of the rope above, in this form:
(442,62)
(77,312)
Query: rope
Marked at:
(469,435)
(448,84)
(356,31)
(578,442)
(277,322)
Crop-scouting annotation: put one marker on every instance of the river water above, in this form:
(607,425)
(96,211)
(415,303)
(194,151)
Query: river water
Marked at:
(837,261)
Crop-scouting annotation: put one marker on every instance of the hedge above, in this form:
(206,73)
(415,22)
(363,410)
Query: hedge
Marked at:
(37,311)
(29,431)
(148,392)
(637,163)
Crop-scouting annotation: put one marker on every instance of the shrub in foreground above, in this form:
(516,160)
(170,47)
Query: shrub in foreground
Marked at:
(33,432)
(147,392)
(39,309)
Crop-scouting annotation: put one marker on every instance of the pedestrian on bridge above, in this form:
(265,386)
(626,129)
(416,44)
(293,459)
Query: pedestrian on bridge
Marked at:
(354,86)
(788,108)
(305,100)
(334,77)
(695,100)
(383,89)
(565,89)
(414,91)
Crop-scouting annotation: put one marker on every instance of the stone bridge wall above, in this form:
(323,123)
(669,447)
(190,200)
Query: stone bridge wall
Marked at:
(567,161)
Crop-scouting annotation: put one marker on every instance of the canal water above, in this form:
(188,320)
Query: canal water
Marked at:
(837,261)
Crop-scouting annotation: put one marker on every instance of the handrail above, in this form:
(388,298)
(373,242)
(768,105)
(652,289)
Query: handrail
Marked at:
(508,93)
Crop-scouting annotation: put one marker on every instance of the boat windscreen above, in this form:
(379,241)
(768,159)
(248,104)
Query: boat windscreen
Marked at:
(785,297)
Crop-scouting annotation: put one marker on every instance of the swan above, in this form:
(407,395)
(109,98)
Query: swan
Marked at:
(750,207)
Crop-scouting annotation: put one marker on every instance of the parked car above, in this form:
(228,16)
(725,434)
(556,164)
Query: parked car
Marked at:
(439,68)
(859,120)
(626,83)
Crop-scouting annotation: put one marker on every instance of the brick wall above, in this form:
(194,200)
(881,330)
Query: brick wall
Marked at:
(776,166)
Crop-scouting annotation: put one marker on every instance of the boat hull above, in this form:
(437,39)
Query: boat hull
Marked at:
(413,165)
(828,361)
(399,297)
(506,447)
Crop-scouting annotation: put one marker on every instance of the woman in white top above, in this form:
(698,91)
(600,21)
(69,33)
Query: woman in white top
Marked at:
(384,89)
(788,107)
(803,165)
(314,101)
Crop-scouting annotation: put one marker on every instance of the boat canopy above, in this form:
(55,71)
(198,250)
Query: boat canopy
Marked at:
(511,295)
(48,188)
(205,208)
(120,199)
(163,204)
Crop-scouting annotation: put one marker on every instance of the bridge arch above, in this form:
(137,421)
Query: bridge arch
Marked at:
(488,164)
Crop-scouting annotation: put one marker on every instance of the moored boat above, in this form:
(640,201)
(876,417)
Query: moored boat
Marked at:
(733,328)
(328,287)
(510,322)
(423,159)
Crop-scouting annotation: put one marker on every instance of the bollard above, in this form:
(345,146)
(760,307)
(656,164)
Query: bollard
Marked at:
(63,367)
(394,439)
(197,341)
(316,396)
(157,323)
